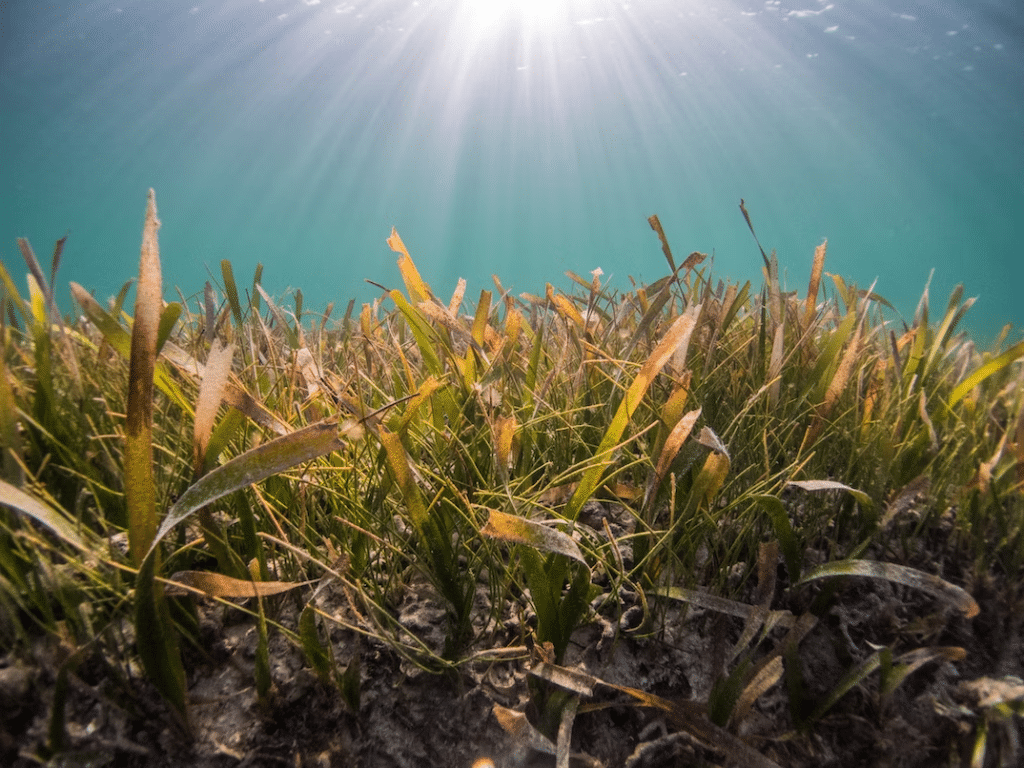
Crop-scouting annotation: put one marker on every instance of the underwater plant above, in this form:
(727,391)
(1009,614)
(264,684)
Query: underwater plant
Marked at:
(479,489)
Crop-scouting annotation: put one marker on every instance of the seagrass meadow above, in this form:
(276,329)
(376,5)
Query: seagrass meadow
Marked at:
(694,523)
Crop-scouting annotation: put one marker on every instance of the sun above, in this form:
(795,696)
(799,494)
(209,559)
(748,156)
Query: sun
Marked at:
(484,16)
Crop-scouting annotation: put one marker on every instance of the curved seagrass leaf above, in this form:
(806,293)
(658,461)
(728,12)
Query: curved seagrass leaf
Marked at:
(139,486)
(655,223)
(457,294)
(168,317)
(290,333)
(45,288)
(821,376)
(565,307)
(405,477)
(729,607)
(831,485)
(119,339)
(709,439)
(576,680)
(318,655)
(13,296)
(211,391)
(562,753)
(232,394)
(764,679)
(219,585)
(252,467)
(116,336)
(10,436)
(791,549)
(158,642)
(906,664)
(676,339)
(686,715)
(903,666)
(414,283)
(994,365)
(900,574)
(518,530)
(848,682)
(20,501)
(427,339)
(231,290)
(669,450)
(247,404)
(261,664)
(504,434)
(815,282)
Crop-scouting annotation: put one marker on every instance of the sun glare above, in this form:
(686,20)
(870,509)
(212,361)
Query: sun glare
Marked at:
(484,16)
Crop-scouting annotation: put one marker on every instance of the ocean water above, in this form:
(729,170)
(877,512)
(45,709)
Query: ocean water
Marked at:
(519,139)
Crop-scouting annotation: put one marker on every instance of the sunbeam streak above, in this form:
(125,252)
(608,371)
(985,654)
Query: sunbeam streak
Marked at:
(518,137)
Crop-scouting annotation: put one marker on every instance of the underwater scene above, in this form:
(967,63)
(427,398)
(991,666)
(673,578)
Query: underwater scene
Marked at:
(714,455)
(520,139)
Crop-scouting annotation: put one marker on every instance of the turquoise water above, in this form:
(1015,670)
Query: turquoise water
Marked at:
(521,140)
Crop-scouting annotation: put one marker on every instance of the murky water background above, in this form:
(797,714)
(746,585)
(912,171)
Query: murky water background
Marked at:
(519,140)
